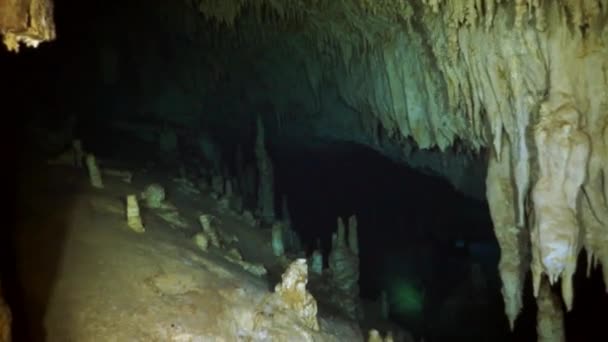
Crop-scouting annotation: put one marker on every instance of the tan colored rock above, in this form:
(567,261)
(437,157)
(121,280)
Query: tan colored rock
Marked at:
(205,222)
(28,22)
(201,241)
(293,294)
(133,216)
(550,315)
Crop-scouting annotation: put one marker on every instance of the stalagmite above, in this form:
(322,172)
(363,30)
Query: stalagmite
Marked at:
(374,336)
(265,177)
(78,153)
(205,222)
(550,316)
(340,238)
(217,184)
(277,239)
(228,188)
(563,152)
(153,195)
(316,263)
(353,236)
(201,241)
(384,305)
(94,174)
(133,216)
(292,292)
(344,267)
(513,241)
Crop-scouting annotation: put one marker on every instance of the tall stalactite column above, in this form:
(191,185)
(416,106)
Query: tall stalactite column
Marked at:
(563,152)
(265,177)
(512,239)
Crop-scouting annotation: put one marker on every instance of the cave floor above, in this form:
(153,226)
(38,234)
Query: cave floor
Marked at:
(83,275)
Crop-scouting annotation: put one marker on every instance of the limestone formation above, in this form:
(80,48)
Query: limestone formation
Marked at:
(223,204)
(201,241)
(316,262)
(125,176)
(228,188)
(344,267)
(249,218)
(513,240)
(94,174)
(205,222)
(133,216)
(168,144)
(563,153)
(265,176)
(278,248)
(293,294)
(353,235)
(385,308)
(153,195)
(26,22)
(78,152)
(550,316)
(217,184)
(374,336)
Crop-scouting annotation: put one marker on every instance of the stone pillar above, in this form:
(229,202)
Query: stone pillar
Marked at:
(94,174)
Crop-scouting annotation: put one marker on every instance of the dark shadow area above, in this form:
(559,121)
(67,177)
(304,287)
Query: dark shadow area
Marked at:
(429,247)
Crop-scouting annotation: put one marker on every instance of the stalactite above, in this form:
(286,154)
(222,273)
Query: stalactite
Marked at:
(513,240)
(563,151)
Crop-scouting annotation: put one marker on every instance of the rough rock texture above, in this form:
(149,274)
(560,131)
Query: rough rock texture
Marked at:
(94,173)
(293,294)
(550,316)
(133,215)
(153,195)
(26,21)
(344,275)
(513,240)
(430,83)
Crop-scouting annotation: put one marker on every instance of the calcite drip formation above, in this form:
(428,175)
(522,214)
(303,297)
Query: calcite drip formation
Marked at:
(524,81)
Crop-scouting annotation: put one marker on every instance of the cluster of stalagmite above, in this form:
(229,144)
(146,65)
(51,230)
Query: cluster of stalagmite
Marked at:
(344,270)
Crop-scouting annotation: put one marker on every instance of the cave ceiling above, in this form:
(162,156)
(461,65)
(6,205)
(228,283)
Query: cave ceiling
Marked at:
(518,89)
